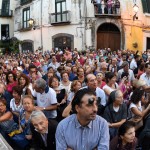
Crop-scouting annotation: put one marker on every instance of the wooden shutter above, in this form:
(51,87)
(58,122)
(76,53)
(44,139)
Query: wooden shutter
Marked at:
(145,6)
(148,5)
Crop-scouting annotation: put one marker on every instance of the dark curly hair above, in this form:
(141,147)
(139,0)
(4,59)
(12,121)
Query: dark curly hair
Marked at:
(26,79)
(7,74)
(109,76)
(18,89)
(137,95)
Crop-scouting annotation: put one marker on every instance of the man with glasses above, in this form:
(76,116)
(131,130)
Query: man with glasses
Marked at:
(83,129)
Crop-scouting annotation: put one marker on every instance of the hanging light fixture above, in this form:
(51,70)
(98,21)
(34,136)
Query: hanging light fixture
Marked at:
(31,22)
(135,9)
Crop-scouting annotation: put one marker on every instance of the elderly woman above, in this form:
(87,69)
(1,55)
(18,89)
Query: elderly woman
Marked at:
(24,82)
(24,118)
(125,140)
(100,82)
(116,112)
(65,83)
(80,75)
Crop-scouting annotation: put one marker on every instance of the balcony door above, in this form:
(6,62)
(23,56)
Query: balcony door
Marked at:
(5,7)
(148,43)
(62,42)
(108,36)
(27,46)
(4,32)
(59,10)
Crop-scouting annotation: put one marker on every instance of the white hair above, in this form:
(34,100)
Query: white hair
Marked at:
(37,114)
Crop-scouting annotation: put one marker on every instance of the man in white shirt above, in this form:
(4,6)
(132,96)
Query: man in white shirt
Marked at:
(54,64)
(125,68)
(146,76)
(46,98)
(133,64)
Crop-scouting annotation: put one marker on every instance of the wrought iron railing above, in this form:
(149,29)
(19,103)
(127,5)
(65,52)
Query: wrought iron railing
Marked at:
(104,9)
(23,2)
(6,13)
(64,17)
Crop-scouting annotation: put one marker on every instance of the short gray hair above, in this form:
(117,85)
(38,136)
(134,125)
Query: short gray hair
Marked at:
(40,83)
(36,114)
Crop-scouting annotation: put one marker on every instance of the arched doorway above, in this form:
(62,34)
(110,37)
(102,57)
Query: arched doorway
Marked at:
(108,35)
(27,46)
(62,40)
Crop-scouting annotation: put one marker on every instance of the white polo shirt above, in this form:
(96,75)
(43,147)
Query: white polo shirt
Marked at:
(145,78)
(46,99)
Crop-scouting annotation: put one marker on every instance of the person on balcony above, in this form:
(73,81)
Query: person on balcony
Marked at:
(99,6)
(103,6)
(117,5)
(109,6)
(113,6)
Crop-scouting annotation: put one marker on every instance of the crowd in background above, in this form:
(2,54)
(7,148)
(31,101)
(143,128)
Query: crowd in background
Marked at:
(48,82)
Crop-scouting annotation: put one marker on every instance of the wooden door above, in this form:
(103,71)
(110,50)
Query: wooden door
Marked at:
(148,43)
(108,40)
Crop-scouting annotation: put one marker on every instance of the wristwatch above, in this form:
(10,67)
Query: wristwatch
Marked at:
(44,108)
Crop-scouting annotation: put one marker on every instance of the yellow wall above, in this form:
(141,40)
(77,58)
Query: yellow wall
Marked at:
(135,35)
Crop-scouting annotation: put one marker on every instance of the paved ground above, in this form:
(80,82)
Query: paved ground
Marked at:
(3,144)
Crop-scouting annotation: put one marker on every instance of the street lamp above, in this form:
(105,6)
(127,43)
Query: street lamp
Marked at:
(31,22)
(135,9)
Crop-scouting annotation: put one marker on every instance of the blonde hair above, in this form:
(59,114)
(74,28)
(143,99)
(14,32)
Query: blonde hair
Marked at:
(28,96)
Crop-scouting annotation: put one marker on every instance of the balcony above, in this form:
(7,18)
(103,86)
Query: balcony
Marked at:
(60,18)
(23,2)
(6,13)
(102,11)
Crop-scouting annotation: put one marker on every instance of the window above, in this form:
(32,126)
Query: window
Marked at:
(26,17)
(60,9)
(5,7)
(4,32)
(146,6)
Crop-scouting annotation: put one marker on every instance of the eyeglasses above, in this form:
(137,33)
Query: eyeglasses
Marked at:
(10,76)
(32,71)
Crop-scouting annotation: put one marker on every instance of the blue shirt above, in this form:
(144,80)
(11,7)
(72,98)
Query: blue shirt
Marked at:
(70,134)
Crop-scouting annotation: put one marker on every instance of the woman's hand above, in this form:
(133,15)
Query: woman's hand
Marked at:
(38,108)
(28,137)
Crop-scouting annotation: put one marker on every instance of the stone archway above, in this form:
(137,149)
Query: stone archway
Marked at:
(27,46)
(108,36)
(63,40)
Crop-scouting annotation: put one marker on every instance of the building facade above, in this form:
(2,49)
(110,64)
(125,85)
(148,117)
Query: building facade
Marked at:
(82,24)
(6,22)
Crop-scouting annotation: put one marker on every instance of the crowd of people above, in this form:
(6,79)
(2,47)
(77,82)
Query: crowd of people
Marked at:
(76,100)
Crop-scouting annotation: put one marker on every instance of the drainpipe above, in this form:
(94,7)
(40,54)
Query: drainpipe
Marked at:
(41,26)
(85,23)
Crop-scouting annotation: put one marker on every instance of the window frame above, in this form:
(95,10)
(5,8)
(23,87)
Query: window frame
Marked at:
(27,19)
(146,7)
(61,13)
(7,36)
(5,7)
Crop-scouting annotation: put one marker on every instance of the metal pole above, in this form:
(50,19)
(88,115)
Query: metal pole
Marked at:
(41,26)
